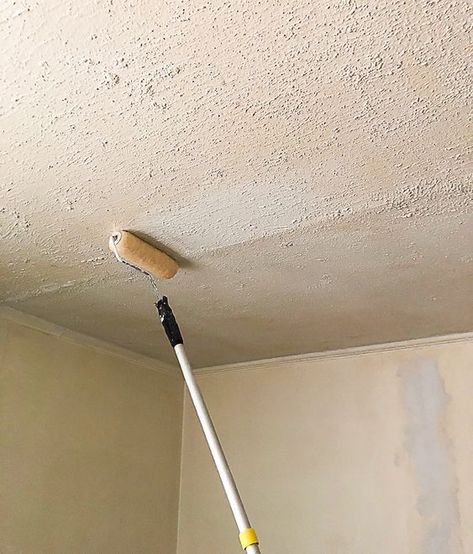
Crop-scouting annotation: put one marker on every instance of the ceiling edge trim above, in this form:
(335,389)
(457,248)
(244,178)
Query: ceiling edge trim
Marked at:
(341,353)
(53,329)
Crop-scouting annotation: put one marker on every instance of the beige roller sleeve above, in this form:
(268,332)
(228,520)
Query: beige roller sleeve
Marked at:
(139,253)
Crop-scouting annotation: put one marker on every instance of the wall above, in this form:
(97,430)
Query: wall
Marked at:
(90,446)
(357,453)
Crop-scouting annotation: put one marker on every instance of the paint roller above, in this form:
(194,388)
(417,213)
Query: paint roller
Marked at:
(155,264)
(140,255)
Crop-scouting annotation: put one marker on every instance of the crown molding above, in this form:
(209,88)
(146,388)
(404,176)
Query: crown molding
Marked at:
(53,329)
(341,353)
(33,322)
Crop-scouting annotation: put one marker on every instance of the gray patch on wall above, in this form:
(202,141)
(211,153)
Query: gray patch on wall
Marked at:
(429,449)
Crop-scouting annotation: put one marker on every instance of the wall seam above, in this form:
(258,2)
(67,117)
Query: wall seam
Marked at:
(181,466)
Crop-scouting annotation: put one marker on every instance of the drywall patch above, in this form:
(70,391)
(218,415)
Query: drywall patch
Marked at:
(429,449)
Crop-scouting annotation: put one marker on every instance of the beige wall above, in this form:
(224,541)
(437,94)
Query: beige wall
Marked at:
(353,454)
(359,454)
(89,448)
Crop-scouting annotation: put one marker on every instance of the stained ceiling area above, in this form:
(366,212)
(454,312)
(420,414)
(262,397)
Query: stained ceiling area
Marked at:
(308,163)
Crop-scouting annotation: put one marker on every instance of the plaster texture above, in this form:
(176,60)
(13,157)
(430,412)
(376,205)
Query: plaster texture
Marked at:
(309,163)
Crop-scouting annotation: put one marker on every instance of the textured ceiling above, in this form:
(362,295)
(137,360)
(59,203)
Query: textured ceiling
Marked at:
(308,163)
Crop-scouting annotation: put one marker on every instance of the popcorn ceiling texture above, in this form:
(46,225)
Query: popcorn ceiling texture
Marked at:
(308,162)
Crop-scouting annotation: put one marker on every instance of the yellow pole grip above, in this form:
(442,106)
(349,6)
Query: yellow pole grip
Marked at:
(248,537)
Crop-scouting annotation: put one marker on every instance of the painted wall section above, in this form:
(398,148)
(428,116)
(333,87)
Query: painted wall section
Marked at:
(90,448)
(358,454)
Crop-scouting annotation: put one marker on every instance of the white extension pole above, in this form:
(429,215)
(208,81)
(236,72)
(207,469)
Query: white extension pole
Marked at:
(215,447)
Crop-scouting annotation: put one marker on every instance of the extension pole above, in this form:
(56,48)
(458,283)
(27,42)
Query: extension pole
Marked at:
(248,538)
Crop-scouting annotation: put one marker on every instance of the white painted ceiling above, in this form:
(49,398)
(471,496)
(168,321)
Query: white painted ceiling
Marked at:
(309,163)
